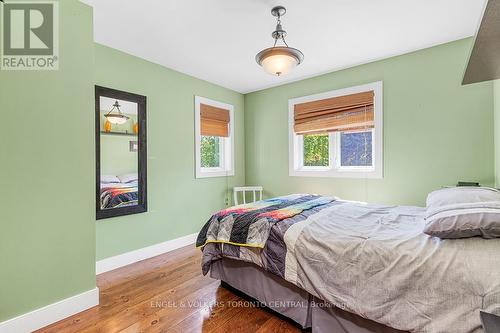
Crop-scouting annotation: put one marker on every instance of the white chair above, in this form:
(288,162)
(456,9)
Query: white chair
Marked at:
(244,190)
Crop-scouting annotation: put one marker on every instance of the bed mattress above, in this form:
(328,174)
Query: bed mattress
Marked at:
(291,301)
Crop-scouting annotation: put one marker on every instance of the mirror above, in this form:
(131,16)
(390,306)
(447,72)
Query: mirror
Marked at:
(120,153)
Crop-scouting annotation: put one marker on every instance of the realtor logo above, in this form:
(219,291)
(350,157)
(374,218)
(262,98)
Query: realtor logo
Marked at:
(30,35)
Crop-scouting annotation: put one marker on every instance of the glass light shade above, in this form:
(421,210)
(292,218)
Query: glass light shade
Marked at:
(279,60)
(116,118)
(279,64)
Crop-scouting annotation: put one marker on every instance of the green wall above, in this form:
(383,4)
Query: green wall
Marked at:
(496,101)
(178,203)
(435,130)
(47,236)
(116,157)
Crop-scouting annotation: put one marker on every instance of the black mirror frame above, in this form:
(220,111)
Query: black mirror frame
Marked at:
(141,207)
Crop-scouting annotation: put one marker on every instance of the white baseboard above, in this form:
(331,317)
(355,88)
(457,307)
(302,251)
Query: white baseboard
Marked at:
(131,257)
(51,313)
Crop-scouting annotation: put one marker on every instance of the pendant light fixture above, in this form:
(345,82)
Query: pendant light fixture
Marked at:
(279,60)
(116,117)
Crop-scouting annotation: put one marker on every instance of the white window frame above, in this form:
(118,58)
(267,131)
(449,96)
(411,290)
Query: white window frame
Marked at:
(226,149)
(295,142)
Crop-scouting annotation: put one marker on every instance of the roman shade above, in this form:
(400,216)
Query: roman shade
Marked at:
(342,113)
(214,121)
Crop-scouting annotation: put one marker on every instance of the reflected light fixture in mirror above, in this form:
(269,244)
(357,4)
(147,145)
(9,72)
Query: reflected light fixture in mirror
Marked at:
(279,60)
(117,117)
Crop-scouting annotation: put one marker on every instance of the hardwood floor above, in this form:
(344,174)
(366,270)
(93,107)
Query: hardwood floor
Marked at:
(168,293)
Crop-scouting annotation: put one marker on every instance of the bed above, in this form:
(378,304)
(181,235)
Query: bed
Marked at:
(115,195)
(371,263)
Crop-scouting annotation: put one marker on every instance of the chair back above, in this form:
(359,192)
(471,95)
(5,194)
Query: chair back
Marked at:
(243,190)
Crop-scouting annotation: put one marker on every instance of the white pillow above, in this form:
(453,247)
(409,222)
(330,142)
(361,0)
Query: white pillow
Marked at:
(461,212)
(461,194)
(129,177)
(109,179)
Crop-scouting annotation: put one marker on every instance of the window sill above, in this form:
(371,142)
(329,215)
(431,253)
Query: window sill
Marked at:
(214,173)
(337,173)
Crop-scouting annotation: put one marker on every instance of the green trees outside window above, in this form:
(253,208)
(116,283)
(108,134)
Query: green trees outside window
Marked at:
(210,154)
(316,150)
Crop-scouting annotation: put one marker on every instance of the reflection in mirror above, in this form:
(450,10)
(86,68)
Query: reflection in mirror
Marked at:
(120,136)
(119,163)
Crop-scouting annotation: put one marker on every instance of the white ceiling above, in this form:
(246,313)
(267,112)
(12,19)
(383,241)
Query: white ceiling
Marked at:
(216,40)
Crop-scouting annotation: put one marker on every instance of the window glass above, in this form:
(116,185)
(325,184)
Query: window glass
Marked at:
(356,149)
(210,152)
(316,150)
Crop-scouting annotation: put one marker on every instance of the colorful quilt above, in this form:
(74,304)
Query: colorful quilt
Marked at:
(114,195)
(249,224)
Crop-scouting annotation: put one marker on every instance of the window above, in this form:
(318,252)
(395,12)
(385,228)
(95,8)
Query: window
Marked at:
(338,133)
(211,151)
(214,127)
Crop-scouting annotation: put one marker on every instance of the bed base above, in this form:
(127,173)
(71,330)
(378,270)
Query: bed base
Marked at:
(290,301)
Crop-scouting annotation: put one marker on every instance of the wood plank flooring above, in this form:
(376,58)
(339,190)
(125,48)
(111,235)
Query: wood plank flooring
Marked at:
(168,293)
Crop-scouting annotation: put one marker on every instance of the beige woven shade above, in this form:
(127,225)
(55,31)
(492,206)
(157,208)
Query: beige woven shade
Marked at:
(214,121)
(343,113)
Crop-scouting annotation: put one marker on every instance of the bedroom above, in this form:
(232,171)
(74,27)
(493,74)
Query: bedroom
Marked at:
(69,266)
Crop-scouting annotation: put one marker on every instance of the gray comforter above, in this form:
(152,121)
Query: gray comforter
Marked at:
(375,261)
